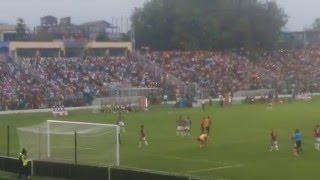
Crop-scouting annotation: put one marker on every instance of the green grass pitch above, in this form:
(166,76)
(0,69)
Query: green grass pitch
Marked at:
(238,146)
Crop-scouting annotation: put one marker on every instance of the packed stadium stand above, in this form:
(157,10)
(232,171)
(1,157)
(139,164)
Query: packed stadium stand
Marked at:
(41,82)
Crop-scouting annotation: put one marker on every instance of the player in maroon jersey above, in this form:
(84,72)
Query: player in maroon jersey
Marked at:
(180,127)
(316,133)
(187,126)
(142,139)
(274,140)
(294,145)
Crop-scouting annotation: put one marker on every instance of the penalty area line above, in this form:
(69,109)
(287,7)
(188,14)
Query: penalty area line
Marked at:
(150,170)
(215,168)
(79,147)
(192,160)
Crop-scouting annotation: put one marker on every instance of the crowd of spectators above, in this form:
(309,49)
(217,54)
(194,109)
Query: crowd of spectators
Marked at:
(29,83)
(19,89)
(219,72)
(291,69)
(216,71)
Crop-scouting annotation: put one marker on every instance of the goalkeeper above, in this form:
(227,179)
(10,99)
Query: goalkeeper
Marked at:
(120,123)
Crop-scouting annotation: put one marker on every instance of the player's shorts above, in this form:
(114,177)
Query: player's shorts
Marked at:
(317,139)
(187,128)
(274,143)
(294,144)
(142,138)
(299,144)
(203,139)
(180,128)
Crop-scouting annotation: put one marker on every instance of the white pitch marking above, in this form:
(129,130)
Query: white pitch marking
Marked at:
(150,170)
(215,168)
(212,178)
(60,147)
(193,160)
(169,173)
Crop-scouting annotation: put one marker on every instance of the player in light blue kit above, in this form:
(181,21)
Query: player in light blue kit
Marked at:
(298,140)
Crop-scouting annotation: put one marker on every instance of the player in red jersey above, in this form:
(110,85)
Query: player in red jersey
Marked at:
(316,133)
(274,140)
(142,139)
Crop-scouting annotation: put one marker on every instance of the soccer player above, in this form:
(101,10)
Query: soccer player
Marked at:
(63,111)
(187,126)
(165,99)
(142,139)
(221,100)
(274,140)
(269,106)
(203,140)
(120,123)
(294,145)
(202,125)
(206,125)
(298,140)
(54,111)
(202,104)
(316,133)
(180,127)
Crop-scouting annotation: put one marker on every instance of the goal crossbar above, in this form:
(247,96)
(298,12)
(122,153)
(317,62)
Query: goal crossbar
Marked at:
(87,123)
(74,122)
(53,140)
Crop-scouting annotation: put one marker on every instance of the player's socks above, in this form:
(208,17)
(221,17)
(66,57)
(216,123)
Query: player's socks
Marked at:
(146,143)
(277,148)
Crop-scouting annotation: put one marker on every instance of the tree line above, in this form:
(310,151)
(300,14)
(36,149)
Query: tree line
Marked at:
(208,24)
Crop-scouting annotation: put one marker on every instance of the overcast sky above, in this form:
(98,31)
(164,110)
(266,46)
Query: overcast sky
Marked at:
(301,13)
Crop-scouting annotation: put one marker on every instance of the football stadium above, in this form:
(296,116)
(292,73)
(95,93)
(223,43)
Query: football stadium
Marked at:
(179,90)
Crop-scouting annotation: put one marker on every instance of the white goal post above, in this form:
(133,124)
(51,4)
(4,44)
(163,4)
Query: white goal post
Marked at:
(241,95)
(136,103)
(72,142)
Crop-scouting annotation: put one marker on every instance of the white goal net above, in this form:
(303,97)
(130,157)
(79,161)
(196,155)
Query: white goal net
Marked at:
(241,95)
(134,103)
(72,142)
